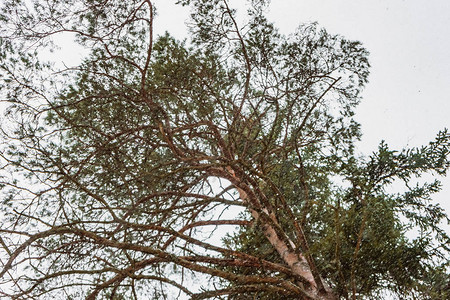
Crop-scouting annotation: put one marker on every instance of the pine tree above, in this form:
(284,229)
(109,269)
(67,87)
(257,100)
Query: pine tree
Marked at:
(118,175)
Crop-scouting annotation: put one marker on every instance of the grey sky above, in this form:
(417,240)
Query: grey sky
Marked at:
(407,100)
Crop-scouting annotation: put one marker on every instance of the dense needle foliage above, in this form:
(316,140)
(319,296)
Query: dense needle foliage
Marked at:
(221,167)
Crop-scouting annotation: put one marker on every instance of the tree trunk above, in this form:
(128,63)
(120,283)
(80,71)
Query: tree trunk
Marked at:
(287,251)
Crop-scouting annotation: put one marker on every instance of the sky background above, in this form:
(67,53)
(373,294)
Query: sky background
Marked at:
(407,99)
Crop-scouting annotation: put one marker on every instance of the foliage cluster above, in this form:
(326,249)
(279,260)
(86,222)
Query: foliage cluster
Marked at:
(117,174)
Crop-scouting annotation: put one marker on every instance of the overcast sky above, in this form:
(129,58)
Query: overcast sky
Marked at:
(407,99)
